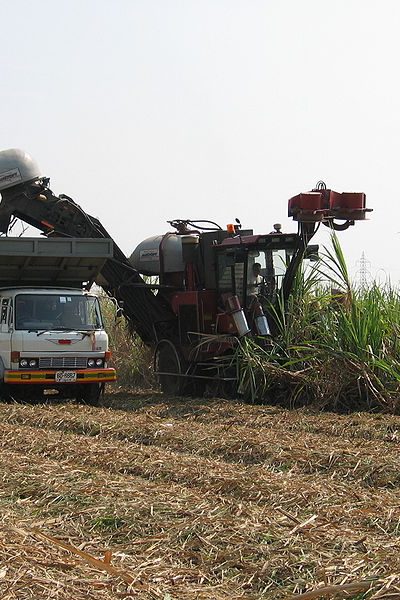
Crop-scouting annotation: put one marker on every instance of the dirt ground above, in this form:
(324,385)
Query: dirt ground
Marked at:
(148,497)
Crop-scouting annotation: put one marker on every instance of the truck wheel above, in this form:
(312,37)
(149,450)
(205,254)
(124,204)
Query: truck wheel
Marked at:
(5,393)
(89,394)
(168,366)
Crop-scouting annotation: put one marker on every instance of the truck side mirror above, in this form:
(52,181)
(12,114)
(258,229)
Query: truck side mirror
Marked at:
(119,313)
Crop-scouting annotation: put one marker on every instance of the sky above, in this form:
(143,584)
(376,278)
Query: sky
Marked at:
(146,111)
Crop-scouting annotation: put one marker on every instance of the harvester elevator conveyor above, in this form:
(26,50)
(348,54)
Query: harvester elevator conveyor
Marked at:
(60,216)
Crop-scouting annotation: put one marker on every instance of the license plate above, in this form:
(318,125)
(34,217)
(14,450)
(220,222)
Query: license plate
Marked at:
(65,376)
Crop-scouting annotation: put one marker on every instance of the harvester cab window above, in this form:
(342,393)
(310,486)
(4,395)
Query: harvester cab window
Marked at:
(253,271)
(280,261)
(255,275)
(231,273)
(265,272)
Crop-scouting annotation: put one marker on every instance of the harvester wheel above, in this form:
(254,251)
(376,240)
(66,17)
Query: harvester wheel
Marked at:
(168,364)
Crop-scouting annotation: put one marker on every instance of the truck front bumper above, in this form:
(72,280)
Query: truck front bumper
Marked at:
(59,377)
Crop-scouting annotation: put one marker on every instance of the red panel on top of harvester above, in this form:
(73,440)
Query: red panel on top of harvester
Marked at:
(322,205)
(347,200)
(348,205)
(305,201)
(311,201)
(308,206)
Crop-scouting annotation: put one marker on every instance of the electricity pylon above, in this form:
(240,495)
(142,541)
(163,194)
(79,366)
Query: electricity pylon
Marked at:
(364,274)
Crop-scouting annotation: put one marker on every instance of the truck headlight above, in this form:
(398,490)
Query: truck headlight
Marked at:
(28,362)
(99,362)
(91,362)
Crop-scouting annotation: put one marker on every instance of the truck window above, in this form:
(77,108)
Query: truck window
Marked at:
(5,303)
(57,311)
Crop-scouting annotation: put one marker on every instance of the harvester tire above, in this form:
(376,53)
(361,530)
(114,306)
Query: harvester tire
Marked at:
(168,364)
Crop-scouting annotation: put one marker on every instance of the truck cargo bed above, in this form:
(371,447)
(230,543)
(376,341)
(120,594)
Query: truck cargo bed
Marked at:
(64,262)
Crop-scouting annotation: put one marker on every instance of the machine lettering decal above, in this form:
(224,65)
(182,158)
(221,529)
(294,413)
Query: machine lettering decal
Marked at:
(11,176)
(149,254)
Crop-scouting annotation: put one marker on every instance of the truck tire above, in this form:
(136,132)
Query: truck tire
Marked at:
(90,394)
(168,365)
(5,395)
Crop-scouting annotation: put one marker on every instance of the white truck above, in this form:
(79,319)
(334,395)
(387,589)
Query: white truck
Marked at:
(44,275)
(52,338)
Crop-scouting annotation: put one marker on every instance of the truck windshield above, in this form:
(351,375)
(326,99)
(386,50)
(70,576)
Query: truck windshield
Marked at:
(57,311)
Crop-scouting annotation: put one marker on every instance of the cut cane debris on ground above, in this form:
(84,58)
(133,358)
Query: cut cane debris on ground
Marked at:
(151,497)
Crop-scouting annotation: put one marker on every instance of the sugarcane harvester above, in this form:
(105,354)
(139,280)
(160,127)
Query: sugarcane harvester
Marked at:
(192,292)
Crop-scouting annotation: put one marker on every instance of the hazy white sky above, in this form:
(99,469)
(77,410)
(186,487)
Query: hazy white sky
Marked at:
(150,110)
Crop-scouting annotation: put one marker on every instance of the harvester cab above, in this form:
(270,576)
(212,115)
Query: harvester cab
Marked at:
(251,269)
(256,272)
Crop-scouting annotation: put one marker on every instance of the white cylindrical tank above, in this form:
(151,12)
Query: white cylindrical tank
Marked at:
(16,167)
(236,310)
(147,256)
(260,320)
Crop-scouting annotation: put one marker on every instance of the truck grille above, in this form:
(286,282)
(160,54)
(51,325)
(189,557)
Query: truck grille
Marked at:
(63,362)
